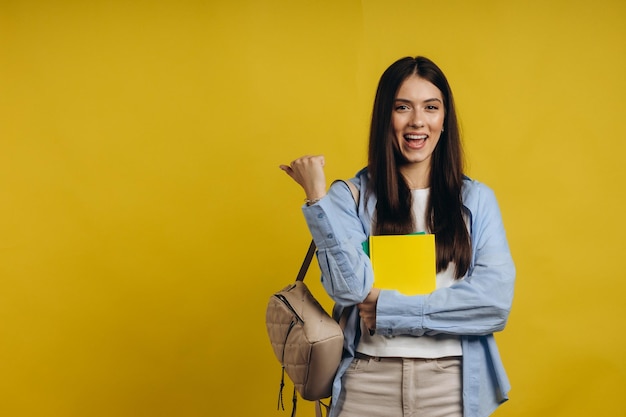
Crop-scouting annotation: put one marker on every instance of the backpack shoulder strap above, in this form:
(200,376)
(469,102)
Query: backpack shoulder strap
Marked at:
(307,261)
(353,190)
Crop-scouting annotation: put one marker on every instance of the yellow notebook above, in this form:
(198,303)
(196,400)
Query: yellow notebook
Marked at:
(406,263)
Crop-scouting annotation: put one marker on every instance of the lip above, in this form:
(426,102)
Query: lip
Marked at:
(415,140)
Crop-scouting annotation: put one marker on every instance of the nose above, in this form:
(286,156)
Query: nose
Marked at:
(416,119)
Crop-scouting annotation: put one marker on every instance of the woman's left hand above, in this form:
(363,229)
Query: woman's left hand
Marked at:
(367,309)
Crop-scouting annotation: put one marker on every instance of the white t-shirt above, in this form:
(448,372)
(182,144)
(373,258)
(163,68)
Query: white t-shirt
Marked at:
(430,347)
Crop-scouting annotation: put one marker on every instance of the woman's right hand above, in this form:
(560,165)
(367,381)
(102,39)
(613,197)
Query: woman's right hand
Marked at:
(308,171)
(367,309)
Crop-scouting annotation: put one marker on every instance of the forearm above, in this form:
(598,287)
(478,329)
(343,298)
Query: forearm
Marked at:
(478,305)
(336,229)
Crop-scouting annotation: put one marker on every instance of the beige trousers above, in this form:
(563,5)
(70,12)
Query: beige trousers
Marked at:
(402,387)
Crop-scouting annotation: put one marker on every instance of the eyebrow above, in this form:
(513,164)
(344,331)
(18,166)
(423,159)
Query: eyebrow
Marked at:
(429,100)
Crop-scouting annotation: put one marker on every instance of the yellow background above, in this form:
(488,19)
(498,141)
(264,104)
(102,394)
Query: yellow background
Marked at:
(144,221)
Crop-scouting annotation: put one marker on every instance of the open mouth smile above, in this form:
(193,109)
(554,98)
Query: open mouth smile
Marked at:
(415,141)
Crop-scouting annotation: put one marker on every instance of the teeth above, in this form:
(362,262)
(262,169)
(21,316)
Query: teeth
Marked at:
(416,137)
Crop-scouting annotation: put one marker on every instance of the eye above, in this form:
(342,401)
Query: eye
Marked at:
(402,107)
(432,107)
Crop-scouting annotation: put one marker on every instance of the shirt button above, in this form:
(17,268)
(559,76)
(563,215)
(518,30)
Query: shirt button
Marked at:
(320,216)
(329,236)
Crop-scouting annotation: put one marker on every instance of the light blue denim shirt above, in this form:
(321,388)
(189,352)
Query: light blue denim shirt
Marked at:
(473,308)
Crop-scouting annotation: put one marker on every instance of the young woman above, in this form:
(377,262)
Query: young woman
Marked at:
(430,355)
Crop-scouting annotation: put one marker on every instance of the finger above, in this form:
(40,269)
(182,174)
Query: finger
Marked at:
(316,159)
(301,160)
(287,170)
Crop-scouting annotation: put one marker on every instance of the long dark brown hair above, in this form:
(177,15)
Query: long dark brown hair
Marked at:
(393,208)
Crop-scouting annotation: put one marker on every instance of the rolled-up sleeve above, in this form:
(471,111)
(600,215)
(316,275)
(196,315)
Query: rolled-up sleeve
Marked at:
(479,304)
(338,234)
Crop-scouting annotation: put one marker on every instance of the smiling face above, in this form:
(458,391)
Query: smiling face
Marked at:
(417,121)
